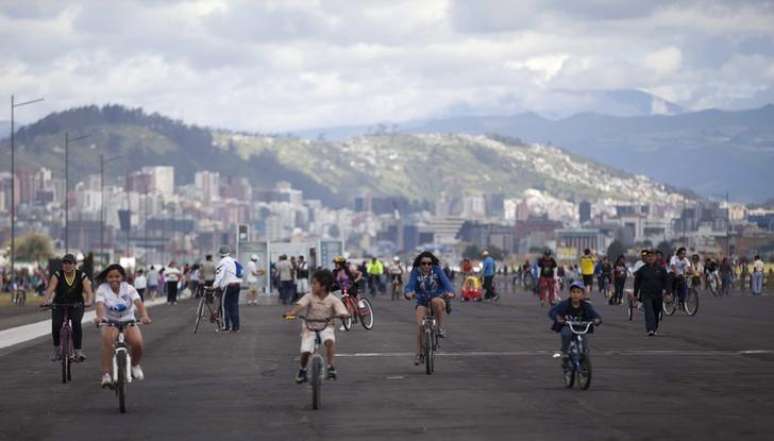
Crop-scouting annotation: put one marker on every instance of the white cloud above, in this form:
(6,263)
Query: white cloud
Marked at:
(283,65)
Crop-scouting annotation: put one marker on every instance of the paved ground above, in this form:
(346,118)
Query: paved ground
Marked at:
(497,381)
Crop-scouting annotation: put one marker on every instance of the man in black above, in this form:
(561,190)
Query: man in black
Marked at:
(68,287)
(650,282)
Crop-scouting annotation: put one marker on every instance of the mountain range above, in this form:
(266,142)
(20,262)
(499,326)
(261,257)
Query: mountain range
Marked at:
(418,166)
(711,152)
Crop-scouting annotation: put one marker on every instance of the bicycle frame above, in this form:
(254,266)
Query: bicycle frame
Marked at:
(120,346)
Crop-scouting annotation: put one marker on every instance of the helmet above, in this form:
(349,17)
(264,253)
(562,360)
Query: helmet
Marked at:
(577,284)
(339,259)
(225,250)
(396,259)
(254,257)
(547,252)
(485,253)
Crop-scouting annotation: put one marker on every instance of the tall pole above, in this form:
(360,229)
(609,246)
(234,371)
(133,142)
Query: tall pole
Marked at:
(102,209)
(728,227)
(13,194)
(67,192)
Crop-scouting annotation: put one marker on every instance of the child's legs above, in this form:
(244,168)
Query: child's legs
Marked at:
(566,334)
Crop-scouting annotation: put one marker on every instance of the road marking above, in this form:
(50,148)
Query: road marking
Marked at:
(551,353)
(21,334)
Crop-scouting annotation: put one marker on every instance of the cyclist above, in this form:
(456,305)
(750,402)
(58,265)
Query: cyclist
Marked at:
(576,308)
(679,269)
(697,270)
(620,273)
(396,274)
(68,286)
(345,277)
(320,305)
(547,282)
(587,264)
(429,285)
(605,276)
(117,300)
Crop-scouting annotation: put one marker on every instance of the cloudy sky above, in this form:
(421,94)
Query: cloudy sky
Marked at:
(281,65)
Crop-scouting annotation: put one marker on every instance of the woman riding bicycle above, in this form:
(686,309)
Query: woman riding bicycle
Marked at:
(345,278)
(116,301)
(429,285)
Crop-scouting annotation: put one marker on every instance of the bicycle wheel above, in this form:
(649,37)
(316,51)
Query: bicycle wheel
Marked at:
(428,343)
(366,314)
(568,374)
(691,302)
(316,381)
(199,313)
(584,373)
(347,322)
(713,287)
(121,382)
(669,306)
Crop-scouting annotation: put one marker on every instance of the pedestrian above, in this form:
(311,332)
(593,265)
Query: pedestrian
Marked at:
(252,273)
(726,276)
(140,284)
(172,278)
(488,271)
(757,276)
(207,271)
(650,283)
(620,273)
(302,277)
(228,281)
(587,265)
(285,276)
(153,283)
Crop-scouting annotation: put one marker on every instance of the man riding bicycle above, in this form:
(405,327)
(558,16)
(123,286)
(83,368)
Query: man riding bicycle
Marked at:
(680,268)
(72,287)
(429,285)
(396,273)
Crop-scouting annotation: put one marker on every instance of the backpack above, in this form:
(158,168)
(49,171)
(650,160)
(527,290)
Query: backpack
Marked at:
(240,270)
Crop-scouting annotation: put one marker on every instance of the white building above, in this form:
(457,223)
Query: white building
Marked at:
(208,183)
(162,178)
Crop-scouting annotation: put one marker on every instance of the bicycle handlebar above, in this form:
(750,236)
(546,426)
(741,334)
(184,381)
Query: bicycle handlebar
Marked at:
(118,324)
(586,325)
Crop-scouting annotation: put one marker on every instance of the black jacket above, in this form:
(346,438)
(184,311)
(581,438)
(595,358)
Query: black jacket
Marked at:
(650,281)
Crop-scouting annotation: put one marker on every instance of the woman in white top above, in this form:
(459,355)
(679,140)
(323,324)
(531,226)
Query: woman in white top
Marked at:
(172,276)
(117,300)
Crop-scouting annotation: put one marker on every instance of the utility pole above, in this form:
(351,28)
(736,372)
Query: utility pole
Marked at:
(14,105)
(102,162)
(67,187)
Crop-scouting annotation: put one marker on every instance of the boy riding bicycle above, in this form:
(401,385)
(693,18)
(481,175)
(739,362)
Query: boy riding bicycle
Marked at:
(319,305)
(573,309)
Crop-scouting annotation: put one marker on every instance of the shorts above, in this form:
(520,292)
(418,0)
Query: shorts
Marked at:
(253,287)
(588,280)
(307,338)
(425,301)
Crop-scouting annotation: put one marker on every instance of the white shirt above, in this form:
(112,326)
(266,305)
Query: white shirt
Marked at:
(119,307)
(171,274)
(758,266)
(252,271)
(225,274)
(681,266)
(140,282)
(153,278)
(285,270)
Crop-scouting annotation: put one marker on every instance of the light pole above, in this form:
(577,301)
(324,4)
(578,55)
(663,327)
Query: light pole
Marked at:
(102,162)
(14,105)
(67,187)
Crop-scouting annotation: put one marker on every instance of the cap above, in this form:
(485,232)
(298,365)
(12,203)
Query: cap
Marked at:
(68,258)
(485,253)
(254,257)
(396,258)
(577,284)
(225,251)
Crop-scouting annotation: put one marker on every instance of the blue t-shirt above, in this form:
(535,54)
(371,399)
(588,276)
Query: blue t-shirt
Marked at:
(430,286)
(489,266)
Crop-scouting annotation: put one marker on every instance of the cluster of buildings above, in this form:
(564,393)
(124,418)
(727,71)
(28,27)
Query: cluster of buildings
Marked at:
(147,215)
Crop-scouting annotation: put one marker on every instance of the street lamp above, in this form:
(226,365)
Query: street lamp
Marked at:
(67,187)
(102,162)
(14,105)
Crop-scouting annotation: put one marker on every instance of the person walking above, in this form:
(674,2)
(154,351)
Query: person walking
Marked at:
(228,281)
(285,276)
(757,276)
(620,273)
(488,271)
(587,265)
(302,277)
(140,284)
(172,277)
(252,273)
(153,283)
(650,282)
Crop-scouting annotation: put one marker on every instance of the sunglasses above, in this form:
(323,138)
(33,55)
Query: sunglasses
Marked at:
(426,263)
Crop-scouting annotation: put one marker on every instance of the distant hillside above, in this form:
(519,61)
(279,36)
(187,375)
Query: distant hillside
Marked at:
(417,166)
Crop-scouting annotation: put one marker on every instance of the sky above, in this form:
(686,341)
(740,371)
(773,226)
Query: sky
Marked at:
(274,66)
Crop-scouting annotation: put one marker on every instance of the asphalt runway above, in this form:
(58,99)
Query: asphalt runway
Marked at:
(708,377)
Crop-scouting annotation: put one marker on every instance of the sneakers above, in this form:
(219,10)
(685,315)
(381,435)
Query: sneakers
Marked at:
(107,380)
(418,359)
(651,333)
(331,373)
(441,332)
(137,373)
(301,376)
(79,355)
(55,354)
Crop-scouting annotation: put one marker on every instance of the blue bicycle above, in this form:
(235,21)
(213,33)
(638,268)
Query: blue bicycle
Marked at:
(577,367)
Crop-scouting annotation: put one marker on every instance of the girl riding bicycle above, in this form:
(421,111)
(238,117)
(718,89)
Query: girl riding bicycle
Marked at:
(117,301)
(429,285)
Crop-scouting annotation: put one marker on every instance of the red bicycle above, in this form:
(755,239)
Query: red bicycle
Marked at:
(360,309)
(66,349)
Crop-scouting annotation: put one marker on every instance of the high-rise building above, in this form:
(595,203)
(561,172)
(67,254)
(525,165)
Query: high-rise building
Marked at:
(162,179)
(208,183)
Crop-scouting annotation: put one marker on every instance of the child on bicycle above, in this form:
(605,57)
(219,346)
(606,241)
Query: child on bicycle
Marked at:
(576,308)
(117,300)
(319,305)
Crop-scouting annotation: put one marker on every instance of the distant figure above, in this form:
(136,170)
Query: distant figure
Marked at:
(207,271)
(488,271)
(227,280)
(153,282)
(757,276)
(172,276)
(285,276)
(302,277)
(587,264)
(140,284)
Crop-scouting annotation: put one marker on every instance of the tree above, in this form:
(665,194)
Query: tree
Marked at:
(33,247)
(471,252)
(615,249)
(665,248)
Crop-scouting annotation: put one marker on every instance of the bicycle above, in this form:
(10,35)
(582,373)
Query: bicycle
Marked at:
(19,297)
(691,303)
(360,310)
(548,292)
(316,359)
(66,353)
(713,283)
(122,361)
(397,289)
(430,341)
(578,364)
(208,299)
